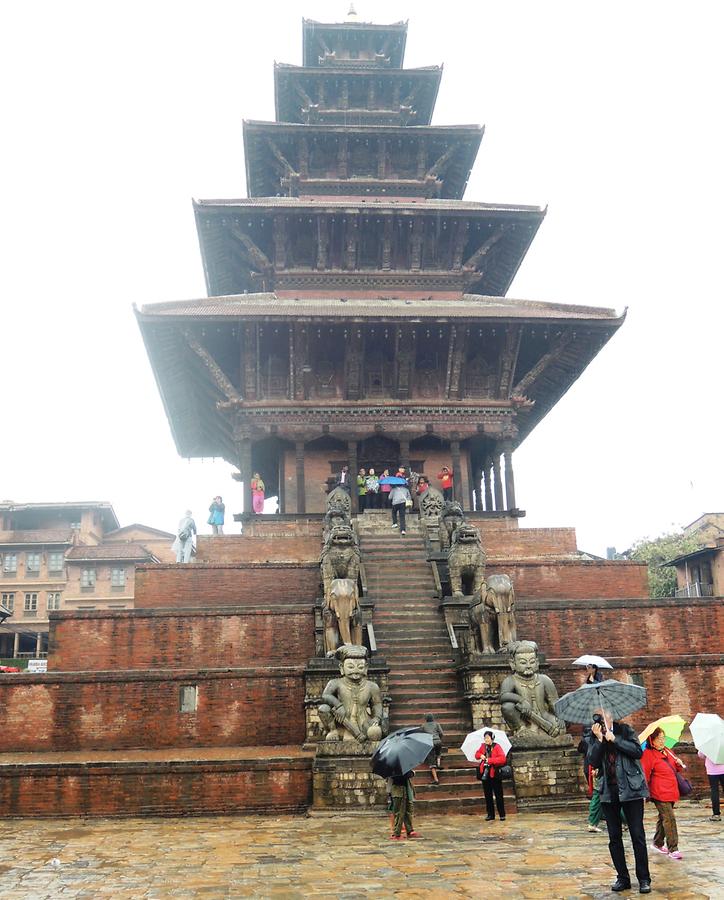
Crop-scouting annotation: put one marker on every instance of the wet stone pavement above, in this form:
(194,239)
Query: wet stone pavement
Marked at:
(536,855)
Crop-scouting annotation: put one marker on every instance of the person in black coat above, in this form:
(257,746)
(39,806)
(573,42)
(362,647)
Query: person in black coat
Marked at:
(616,752)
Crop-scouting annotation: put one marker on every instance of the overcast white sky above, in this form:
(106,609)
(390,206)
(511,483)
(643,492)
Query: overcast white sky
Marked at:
(116,113)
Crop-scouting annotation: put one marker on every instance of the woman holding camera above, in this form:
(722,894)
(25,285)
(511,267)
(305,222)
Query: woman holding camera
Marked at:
(492,759)
(660,767)
(616,752)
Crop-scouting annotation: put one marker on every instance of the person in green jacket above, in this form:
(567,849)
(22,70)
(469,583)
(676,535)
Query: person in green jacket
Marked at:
(403,799)
(362,489)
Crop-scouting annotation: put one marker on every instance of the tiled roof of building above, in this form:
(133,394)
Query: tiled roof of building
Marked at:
(37,536)
(110,552)
(377,203)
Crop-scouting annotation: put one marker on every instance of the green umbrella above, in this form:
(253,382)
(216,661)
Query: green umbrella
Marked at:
(672,727)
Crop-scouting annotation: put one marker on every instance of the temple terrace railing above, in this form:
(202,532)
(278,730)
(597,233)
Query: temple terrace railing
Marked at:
(695,589)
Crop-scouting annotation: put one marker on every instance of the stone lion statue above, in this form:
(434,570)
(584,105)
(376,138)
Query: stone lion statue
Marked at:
(492,615)
(451,518)
(339,497)
(337,514)
(340,557)
(466,562)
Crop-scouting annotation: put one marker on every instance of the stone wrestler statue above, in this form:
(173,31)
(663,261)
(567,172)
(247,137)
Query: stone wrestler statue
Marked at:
(528,698)
(351,707)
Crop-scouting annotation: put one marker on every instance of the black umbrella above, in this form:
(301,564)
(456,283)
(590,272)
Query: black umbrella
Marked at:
(401,751)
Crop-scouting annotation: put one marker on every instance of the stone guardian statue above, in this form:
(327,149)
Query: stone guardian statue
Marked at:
(528,698)
(351,707)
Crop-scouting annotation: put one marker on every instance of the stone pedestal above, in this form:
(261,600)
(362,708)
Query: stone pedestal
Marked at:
(343,780)
(547,771)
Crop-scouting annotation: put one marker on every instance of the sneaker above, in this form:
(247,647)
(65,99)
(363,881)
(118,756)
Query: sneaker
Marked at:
(395,837)
(594,828)
(660,849)
(403,532)
(715,818)
(395,525)
(414,834)
(502,818)
(675,854)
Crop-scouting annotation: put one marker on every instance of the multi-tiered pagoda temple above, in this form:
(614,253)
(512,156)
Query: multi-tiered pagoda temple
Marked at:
(357,308)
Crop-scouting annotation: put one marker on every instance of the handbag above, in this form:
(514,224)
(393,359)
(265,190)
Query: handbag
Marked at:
(408,504)
(505,772)
(685,786)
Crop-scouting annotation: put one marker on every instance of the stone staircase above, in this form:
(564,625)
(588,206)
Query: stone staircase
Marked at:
(411,635)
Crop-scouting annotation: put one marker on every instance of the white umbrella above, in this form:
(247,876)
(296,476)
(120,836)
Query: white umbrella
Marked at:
(707,729)
(588,660)
(472,742)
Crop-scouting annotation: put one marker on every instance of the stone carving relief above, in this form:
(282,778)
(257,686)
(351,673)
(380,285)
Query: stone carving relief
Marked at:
(431,503)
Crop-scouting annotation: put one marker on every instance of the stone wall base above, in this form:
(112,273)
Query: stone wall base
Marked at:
(343,780)
(548,776)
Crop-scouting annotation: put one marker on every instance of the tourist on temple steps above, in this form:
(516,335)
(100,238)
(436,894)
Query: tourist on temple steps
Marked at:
(385,491)
(216,515)
(362,489)
(403,801)
(492,759)
(715,773)
(660,767)
(403,473)
(616,753)
(422,485)
(430,726)
(400,497)
(372,483)
(184,543)
(343,479)
(444,476)
(257,493)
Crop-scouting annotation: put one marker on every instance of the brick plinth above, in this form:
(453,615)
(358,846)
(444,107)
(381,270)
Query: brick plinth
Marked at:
(186,638)
(342,777)
(113,711)
(209,585)
(547,776)
(169,788)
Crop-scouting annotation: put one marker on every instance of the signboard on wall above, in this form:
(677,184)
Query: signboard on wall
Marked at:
(37,665)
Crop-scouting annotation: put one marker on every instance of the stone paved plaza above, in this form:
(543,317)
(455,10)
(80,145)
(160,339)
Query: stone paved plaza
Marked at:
(544,855)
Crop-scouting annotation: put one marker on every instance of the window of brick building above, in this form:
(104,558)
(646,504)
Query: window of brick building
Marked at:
(31,603)
(118,578)
(53,600)
(8,600)
(88,579)
(637,678)
(56,561)
(188,698)
(10,563)
(32,563)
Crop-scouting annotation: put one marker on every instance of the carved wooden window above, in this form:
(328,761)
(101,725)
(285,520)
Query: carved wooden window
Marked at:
(363,161)
(369,245)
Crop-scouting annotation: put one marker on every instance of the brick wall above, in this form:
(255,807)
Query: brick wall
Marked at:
(575,579)
(527,542)
(284,546)
(623,627)
(109,711)
(183,639)
(225,585)
(170,789)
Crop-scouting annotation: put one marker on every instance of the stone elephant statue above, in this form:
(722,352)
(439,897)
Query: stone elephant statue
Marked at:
(341,615)
(492,617)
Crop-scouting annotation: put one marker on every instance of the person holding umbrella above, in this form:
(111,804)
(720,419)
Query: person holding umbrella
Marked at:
(660,767)
(395,759)
(707,730)
(492,759)
(430,726)
(616,753)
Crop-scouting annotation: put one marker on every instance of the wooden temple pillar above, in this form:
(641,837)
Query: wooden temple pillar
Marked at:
(497,483)
(457,472)
(487,485)
(509,478)
(476,500)
(243,453)
(353,470)
(405,454)
(301,493)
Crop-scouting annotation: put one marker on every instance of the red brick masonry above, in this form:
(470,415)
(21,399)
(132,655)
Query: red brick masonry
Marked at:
(186,638)
(114,711)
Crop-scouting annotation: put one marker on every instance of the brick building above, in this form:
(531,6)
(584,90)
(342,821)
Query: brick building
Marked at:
(57,556)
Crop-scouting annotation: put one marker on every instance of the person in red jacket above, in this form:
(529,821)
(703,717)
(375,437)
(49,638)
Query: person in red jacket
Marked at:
(660,767)
(445,477)
(492,758)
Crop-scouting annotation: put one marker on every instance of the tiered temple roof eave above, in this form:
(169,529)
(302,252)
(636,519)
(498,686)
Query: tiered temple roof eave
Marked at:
(396,31)
(276,160)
